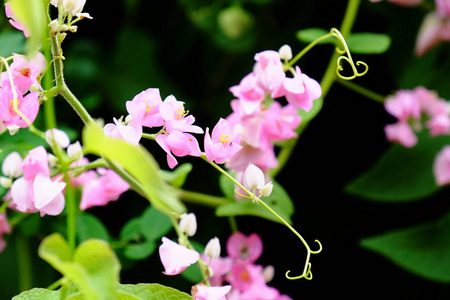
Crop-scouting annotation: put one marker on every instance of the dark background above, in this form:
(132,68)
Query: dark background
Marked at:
(133,45)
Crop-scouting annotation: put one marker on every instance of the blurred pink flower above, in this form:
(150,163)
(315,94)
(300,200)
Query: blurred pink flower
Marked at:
(268,71)
(4,228)
(433,30)
(176,258)
(179,144)
(402,133)
(402,2)
(244,248)
(99,191)
(211,292)
(10,14)
(441,166)
(249,93)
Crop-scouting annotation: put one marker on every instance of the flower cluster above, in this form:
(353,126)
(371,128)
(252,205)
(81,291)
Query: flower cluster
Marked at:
(177,257)
(19,99)
(413,110)
(34,187)
(247,279)
(263,121)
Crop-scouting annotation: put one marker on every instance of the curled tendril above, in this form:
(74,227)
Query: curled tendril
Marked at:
(346,56)
(307,274)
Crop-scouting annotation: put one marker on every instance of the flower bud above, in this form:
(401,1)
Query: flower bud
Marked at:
(74,151)
(212,249)
(52,160)
(285,52)
(268,273)
(12,164)
(266,190)
(59,136)
(188,224)
(5,182)
(253,178)
(13,129)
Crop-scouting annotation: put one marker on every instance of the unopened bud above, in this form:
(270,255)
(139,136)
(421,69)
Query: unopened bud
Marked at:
(266,190)
(6,182)
(58,136)
(52,160)
(74,151)
(188,224)
(212,249)
(253,178)
(285,52)
(11,166)
(13,129)
(268,273)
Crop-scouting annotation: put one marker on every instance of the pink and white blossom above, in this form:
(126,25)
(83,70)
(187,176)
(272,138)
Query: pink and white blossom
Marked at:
(176,258)
(145,106)
(130,132)
(28,107)
(12,164)
(203,292)
(223,142)
(179,144)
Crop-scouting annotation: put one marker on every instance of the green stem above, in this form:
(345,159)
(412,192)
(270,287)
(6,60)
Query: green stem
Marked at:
(24,263)
(49,104)
(72,211)
(199,198)
(362,90)
(63,89)
(326,83)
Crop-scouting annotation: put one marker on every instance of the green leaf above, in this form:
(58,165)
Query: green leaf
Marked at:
(11,42)
(423,250)
(152,292)
(279,201)
(368,43)
(89,226)
(131,231)
(401,174)
(178,176)
(32,15)
(38,294)
(139,251)
(94,267)
(309,35)
(139,163)
(192,274)
(154,224)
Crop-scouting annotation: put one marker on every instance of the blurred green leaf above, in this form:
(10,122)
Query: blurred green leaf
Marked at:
(139,251)
(139,163)
(309,35)
(423,250)
(93,267)
(401,174)
(32,15)
(178,176)
(192,274)
(131,231)
(154,224)
(38,293)
(368,43)
(89,226)
(279,201)
(11,42)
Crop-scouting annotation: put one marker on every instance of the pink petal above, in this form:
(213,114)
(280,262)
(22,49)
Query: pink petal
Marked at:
(176,258)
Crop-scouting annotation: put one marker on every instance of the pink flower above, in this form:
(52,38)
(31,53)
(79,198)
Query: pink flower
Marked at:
(249,93)
(439,125)
(281,122)
(25,72)
(39,194)
(28,106)
(107,187)
(300,91)
(145,105)
(35,162)
(433,30)
(178,143)
(130,133)
(176,258)
(403,105)
(10,14)
(401,133)
(244,248)
(176,117)
(269,71)
(221,266)
(223,143)
(4,228)
(441,166)
(403,2)
(211,292)
(57,136)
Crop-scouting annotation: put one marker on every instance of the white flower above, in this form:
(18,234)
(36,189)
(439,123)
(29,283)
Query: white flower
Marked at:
(11,166)
(212,249)
(188,224)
